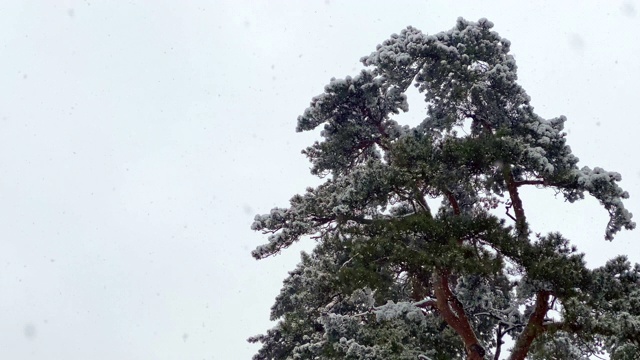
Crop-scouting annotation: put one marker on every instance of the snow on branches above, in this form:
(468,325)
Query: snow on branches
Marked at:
(393,277)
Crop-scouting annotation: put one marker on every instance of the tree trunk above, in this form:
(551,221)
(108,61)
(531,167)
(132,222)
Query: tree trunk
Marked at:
(453,313)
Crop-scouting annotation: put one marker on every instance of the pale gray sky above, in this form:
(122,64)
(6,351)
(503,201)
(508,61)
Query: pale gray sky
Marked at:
(138,139)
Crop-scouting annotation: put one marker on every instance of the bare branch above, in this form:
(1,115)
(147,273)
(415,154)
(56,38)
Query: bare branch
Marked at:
(499,342)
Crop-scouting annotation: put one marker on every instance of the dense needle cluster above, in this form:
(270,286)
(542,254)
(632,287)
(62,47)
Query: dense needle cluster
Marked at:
(412,261)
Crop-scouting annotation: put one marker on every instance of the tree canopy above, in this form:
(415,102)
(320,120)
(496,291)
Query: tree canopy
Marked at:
(414,259)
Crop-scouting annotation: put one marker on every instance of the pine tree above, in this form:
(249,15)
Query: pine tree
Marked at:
(413,260)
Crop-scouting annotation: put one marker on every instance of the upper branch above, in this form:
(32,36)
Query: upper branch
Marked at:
(516,201)
(531,182)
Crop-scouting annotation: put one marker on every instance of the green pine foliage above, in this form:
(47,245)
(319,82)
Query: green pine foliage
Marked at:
(412,260)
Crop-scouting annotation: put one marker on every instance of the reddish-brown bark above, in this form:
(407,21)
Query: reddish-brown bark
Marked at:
(450,307)
(453,313)
(534,327)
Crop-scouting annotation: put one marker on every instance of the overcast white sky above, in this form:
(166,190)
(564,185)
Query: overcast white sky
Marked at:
(138,139)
